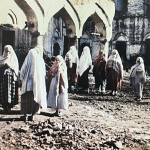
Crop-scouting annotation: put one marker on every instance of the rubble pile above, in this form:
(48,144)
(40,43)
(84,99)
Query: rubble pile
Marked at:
(53,135)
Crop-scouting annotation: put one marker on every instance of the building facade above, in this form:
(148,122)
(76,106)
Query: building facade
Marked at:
(131,29)
(56,25)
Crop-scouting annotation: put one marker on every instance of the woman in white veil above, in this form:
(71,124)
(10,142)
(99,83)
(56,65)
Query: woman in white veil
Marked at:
(114,72)
(84,66)
(8,78)
(138,77)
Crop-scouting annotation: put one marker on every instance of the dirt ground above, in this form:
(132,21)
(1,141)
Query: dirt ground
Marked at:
(93,121)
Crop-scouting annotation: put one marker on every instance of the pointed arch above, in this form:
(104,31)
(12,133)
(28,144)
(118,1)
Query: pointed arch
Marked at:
(13,16)
(120,37)
(69,23)
(69,15)
(31,15)
(147,36)
(101,22)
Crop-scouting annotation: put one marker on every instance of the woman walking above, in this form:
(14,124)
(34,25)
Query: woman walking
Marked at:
(33,89)
(8,78)
(99,71)
(84,66)
(138,77)
(57,86)
(114,72)
(72,60)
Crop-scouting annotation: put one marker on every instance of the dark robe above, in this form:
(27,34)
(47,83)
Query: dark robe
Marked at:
(99,72)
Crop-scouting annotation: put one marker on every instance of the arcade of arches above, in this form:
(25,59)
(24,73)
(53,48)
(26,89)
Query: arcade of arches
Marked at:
(25,23)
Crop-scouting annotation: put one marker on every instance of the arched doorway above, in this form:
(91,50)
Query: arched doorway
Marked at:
(147,45)
(121,46)
(56,49)
(93,32)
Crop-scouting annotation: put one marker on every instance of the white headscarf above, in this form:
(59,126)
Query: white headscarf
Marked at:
(85,60)
(73,55)
(62,70)
(112,61)
(32,75)
(9,57)
(138,67)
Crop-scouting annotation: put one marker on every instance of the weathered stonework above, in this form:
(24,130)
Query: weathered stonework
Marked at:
(59,23)
(133,24)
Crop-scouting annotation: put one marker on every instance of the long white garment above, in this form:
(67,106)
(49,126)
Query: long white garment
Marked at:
(74,54)
(9,57)
(58,91)
(85,60)
(138,71)
(32,75)
(138,77)
(59,101)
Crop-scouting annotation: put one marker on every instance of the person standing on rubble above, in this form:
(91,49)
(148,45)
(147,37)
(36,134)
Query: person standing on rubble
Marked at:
(138,77)
(57,91)
(72,60)
(114,72)
(33,90)
(99,65)
(9,69)
(85,63)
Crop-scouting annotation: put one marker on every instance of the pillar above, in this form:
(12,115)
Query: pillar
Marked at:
(106,49)
(128,50)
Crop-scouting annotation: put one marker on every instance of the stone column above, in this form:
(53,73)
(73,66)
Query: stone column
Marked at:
(106,49)
(33,41)
(128,50)
(40,44)
(77,42)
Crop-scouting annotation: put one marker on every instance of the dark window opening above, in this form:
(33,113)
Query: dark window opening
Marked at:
(146,58)
(56,49)
(8,38)
(121,47)
(89,26)
(147,8)
(121,5)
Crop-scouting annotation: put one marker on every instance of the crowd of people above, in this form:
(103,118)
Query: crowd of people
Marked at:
(38,93)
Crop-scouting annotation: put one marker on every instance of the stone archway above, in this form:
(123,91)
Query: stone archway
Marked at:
(121,47)
(94,32)
(67,31)
(32,21)
(120,43)
(146,50)
(69,24)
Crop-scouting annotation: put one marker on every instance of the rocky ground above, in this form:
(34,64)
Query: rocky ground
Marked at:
(93,122)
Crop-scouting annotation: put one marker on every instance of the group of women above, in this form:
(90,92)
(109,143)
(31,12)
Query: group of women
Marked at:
(38,93)
(108,73)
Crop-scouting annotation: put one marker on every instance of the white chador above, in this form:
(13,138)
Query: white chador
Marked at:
(85,60)
(58,88)
(33,77)
(138,77)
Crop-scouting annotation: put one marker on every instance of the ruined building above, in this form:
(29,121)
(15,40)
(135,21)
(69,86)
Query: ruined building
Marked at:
(56,25)
(131,29)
